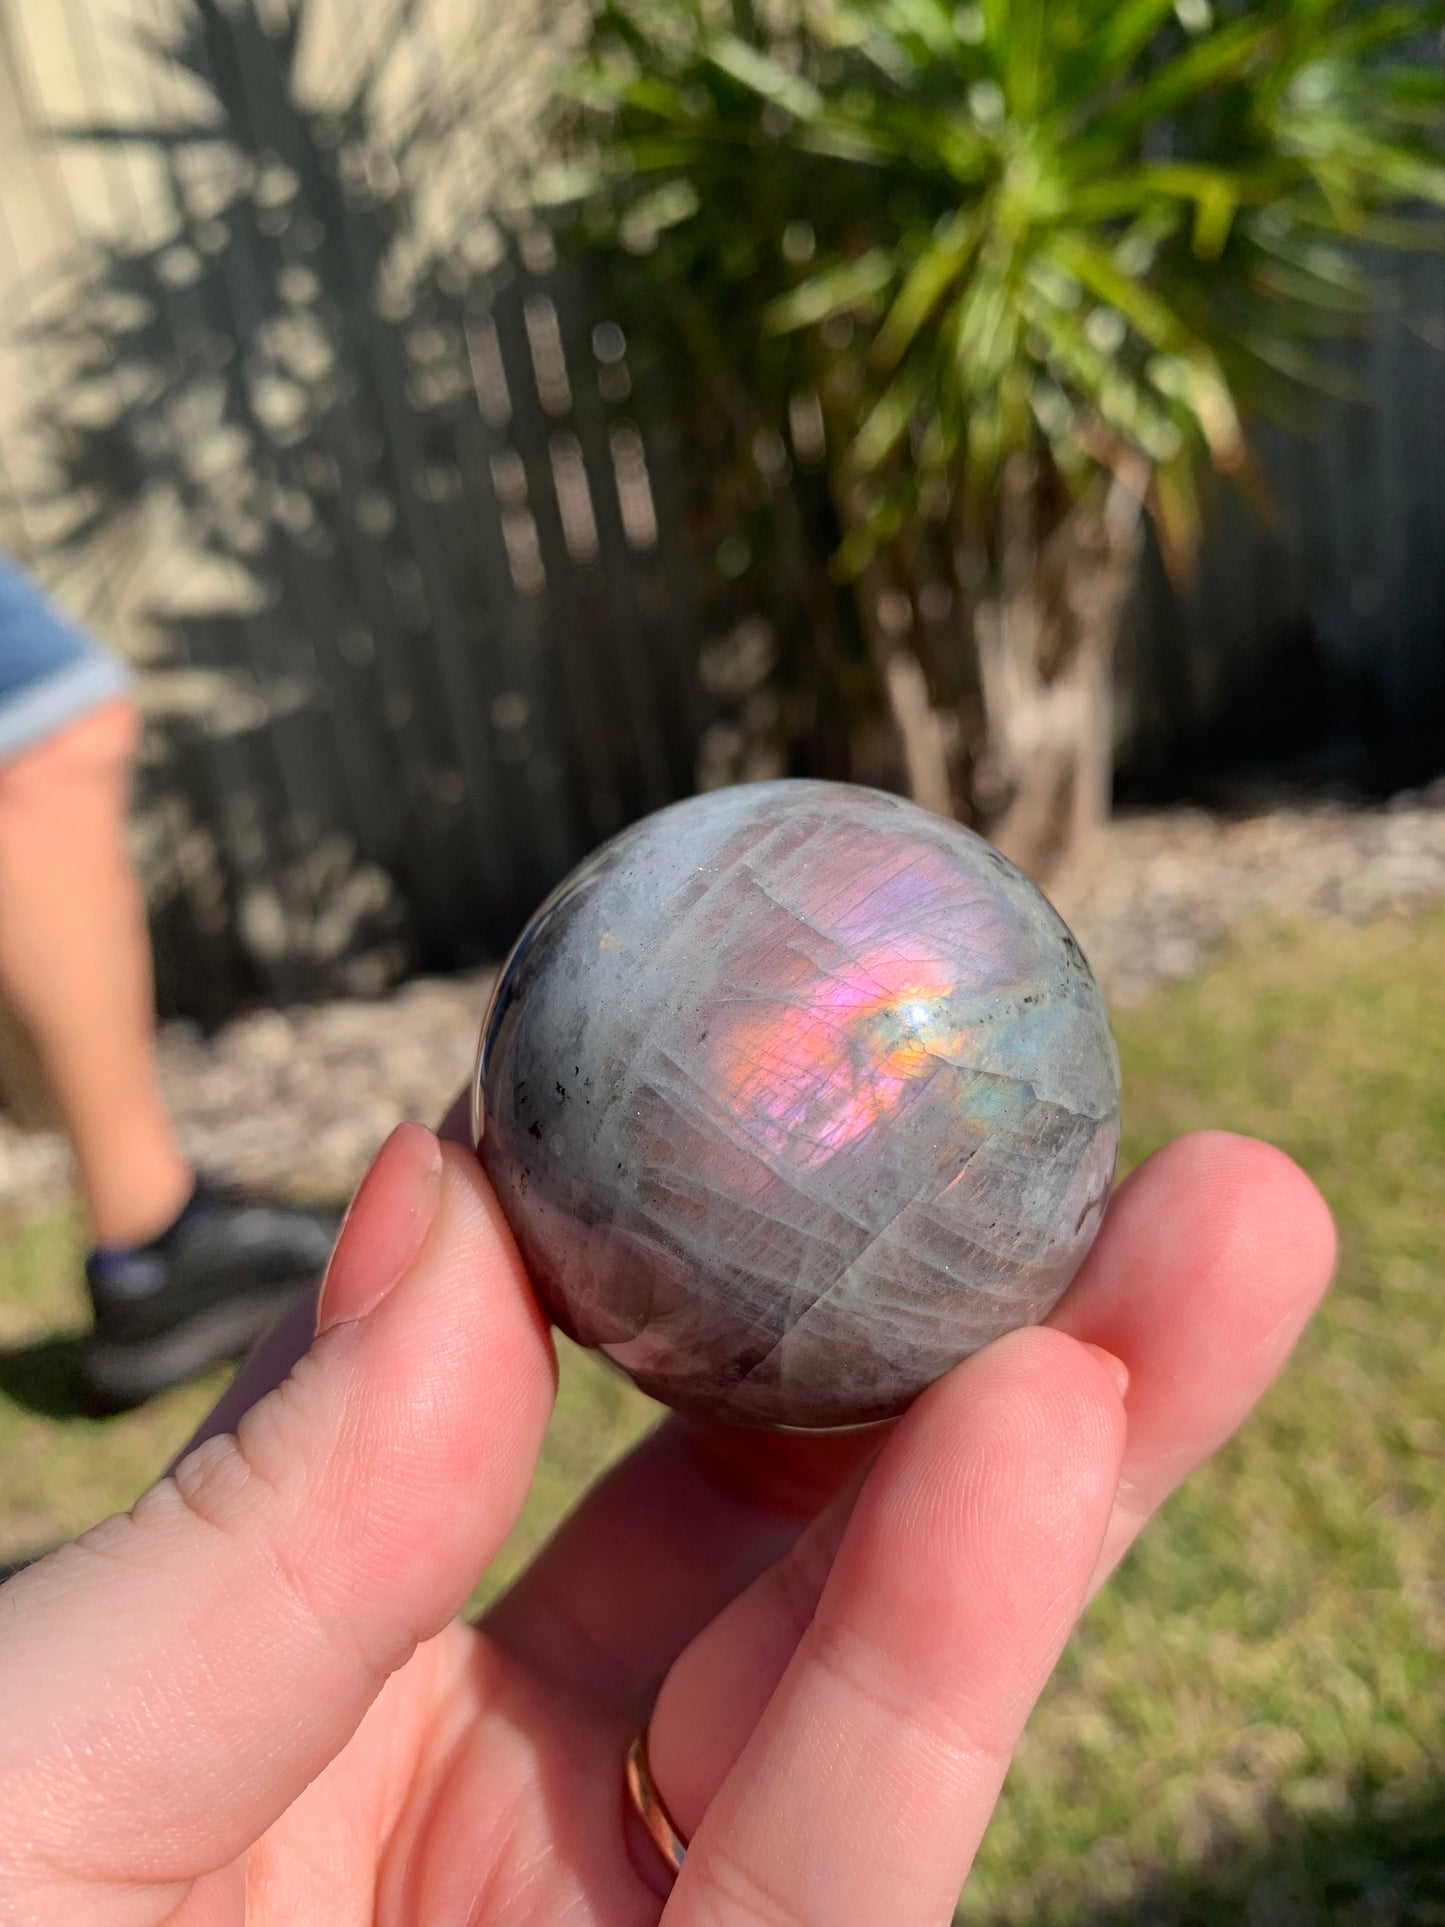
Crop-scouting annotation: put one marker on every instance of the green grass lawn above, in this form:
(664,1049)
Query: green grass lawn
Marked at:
(1250,1725)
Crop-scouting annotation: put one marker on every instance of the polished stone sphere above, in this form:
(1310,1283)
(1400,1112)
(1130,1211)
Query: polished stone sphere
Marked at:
(793,1096)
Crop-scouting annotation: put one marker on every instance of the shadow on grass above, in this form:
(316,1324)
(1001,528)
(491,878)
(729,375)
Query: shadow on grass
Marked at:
(13,1562)
(44,1377)
(1381,1863)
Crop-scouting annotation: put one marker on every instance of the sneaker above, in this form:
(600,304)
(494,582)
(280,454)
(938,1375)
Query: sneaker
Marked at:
(200,1294)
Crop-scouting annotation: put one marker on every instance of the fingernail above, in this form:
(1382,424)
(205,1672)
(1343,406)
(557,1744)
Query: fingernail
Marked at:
(1115,1367)
(385,1226)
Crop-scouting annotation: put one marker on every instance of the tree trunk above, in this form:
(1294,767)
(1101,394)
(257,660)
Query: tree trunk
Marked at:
(888,598)
(1045,630)
(920,730)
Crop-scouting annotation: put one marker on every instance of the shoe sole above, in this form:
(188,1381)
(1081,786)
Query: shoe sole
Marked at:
(118,1376)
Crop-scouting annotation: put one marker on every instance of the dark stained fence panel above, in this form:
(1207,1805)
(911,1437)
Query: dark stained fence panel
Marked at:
(1323,623)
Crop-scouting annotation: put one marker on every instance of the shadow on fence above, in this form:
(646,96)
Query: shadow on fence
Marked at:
(413,641)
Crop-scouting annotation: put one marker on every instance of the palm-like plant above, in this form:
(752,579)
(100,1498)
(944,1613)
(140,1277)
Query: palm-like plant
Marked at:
(1031,264)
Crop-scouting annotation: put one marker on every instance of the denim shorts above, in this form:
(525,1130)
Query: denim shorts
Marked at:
(51,673)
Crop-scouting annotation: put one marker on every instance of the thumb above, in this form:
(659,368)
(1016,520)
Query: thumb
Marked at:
(175,1678)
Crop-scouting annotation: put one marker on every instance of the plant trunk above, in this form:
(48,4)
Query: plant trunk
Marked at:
(1045,632)
(920,731)
(887,597)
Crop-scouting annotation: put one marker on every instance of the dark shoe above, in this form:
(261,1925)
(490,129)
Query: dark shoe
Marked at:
(202,1293)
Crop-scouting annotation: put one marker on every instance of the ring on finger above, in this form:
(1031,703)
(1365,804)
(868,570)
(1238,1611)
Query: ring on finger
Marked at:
(650,1807)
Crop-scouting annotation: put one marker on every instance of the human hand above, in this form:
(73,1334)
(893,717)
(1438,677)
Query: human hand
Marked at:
(251,1698)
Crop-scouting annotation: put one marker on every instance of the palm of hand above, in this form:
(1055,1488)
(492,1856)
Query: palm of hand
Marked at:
(441,1807)
(833,1667)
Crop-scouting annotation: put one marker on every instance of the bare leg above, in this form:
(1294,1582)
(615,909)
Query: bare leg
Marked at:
(75,964)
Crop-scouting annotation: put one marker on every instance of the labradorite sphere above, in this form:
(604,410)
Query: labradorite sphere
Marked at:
(794,1095)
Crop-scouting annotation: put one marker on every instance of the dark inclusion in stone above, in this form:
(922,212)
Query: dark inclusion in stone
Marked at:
(794,1095)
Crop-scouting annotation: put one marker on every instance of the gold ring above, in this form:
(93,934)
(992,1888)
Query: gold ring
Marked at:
(650,1809)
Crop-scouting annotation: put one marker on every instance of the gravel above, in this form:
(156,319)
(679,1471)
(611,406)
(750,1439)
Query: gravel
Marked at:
(1163,889)
(300,1099)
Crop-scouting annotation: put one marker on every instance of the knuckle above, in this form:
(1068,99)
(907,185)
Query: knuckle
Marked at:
(727,1892)
(798,1582)
(909,1703)
(220,1485)
(233,1488)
